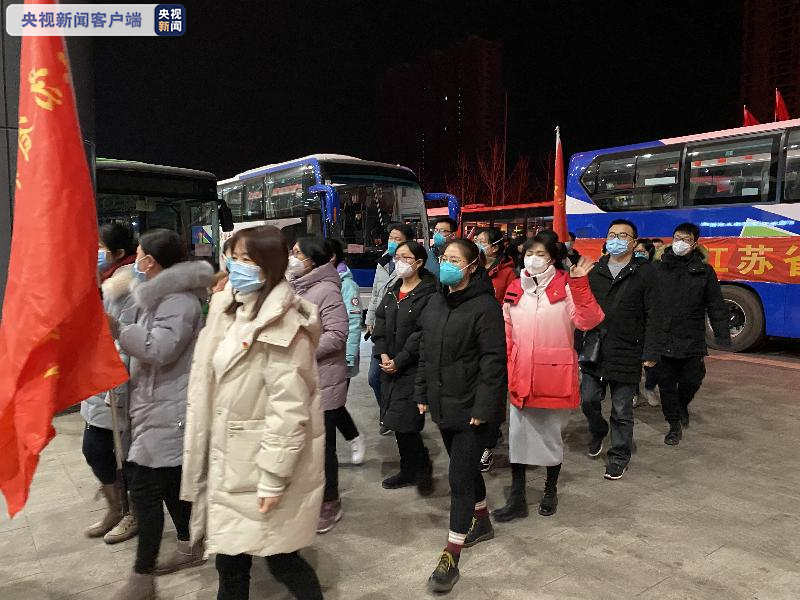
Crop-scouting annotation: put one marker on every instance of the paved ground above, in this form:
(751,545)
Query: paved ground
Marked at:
(717,517)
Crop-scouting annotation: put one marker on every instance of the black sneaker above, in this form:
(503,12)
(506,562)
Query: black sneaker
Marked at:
(480,530)
(515,508)
(673,437)
(401,480)
(384,430)
(614,471)
(487,460)
(595,447)
(445,576)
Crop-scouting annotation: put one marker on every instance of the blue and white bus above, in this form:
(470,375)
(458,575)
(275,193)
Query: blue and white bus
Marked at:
(741,186)
(330,195)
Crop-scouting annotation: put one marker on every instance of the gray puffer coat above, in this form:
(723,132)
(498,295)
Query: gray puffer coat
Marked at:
(160,344)
(323,287)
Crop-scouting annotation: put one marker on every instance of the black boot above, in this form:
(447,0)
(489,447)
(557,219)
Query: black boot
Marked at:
(549,502)
(446,574)
(517,505)
(673,437)
(425,476)
(480,530)
(402,479)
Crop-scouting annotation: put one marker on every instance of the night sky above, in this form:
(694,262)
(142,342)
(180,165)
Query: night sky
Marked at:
(257,82)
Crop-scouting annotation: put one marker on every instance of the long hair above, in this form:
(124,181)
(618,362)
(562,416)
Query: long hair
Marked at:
(266,247)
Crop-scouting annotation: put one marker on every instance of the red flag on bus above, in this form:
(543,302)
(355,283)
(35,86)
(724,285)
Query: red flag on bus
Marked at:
(749,119)
(559,194)
(55,345)
(781,112)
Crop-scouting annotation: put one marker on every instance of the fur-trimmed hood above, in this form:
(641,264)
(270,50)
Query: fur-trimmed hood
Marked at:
(119,284)
(194,277)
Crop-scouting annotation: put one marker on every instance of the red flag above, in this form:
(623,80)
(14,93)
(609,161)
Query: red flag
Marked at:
(55,345)
(559,194)
(749,119)
(781,112)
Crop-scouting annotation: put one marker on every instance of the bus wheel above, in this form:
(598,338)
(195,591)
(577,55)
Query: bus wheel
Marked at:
(746,320)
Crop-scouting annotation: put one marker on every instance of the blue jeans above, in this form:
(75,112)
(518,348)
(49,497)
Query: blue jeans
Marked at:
(374,377)
(593,391)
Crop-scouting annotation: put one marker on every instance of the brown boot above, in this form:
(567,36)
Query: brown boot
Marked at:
(139,587)
(113,513)
(184,557)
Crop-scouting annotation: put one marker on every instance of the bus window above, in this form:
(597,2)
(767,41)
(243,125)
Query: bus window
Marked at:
(589,178)
(233,198)
(615,183)
(254,201)
(286,194)
(657,180)
(791,179)
(740,171)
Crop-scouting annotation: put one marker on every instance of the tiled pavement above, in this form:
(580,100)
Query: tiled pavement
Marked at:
(717,517)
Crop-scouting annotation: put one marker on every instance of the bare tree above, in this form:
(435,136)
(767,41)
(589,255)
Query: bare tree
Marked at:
(490,169)
(518,187)
(464,183)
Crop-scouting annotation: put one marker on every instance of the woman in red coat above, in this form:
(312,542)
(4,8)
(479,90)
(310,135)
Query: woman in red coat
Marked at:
(542,310)
(501,271)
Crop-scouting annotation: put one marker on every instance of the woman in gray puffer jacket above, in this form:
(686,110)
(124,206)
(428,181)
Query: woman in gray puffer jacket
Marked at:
(318,281)
(168,297)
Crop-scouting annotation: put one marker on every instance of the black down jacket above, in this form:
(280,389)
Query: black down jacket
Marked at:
(396,333)
(462,370)
(631,330)
(688,289)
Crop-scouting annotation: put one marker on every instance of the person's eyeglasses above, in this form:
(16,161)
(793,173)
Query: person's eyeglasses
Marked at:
(409,260)
(622,236)
(444,232)
(453,260)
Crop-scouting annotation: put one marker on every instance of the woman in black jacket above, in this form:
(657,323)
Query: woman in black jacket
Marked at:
(396,340)
(462,381)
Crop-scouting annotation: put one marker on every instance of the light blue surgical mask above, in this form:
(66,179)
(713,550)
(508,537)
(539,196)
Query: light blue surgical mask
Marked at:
(102,260)
(450,274)
(641,255)
(439,240)
(616,247)
(481,247)
(244,278)
(392,248)
(140,275)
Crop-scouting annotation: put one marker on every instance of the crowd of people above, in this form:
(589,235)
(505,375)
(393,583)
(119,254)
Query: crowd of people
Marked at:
(230,418)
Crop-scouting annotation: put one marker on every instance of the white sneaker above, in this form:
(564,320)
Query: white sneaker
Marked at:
(126,529)
(652,397)
(636,401)
(358,448)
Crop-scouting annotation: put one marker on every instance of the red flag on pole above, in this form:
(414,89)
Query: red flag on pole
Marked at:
(749,119)
(55,345)
(781,112)
(559,194)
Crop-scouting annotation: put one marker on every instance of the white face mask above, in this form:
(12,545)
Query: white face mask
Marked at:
(296,268)
(681,248)
(536,265)
(404,270)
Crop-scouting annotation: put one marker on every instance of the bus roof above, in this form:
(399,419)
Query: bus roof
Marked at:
(478,208)
(340,159)
(133,166)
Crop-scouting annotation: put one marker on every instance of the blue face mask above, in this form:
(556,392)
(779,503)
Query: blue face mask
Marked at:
(439,240)
(102,260)
(228,262)
(140,275)
(245,279)
(450,274)
(641,255)
(616,247)
(392,247)
(481,247)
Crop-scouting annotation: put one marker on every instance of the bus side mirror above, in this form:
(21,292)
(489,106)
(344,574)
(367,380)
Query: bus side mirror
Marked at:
(331,204)
(225,216)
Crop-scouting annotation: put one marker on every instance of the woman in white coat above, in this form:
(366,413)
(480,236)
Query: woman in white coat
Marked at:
(255,443)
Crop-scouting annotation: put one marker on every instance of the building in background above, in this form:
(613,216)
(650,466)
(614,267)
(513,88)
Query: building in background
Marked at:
(771,56)
(439,106)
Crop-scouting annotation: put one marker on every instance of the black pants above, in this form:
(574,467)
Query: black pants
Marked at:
(150,489)
(332,417)
(593,390)
(679,379)
(413,453)
(290,569)
(650,378)
(466,480)
(98,449)
(344,422)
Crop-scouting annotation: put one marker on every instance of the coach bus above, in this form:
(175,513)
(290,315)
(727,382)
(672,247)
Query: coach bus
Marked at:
(330,195)
(514,220)
(740,186)
(146,196)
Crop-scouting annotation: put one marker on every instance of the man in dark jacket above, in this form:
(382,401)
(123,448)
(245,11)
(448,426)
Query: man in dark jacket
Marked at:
(687,289)
(624,287)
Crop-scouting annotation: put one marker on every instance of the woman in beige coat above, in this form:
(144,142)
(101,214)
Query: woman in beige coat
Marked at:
(255,433)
